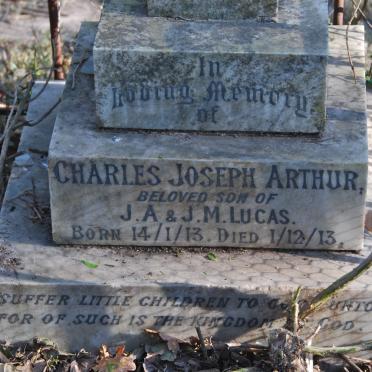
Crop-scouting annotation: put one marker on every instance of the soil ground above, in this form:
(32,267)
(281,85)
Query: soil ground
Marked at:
(32,15)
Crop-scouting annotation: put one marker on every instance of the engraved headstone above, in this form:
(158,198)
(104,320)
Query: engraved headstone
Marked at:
(240,76)
(51,293)
(176,189)
(138,188)
(213,9)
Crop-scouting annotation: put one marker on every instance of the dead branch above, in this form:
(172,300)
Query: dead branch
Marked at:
(365,18)
(350,362)
(202,343)
(23,95)
(294,311)
(328,351)
(76,69)
(357,8)
(319,300)
(43,117)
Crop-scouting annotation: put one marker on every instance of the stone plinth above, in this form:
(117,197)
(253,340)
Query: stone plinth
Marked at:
(82,297)
(134,188)
(232,76)
(213,9)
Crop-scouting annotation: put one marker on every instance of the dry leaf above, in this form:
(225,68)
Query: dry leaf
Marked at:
(123,364)
(39,365)
(3,358)
(127,364)
(119,351)
(8,367)
(119,363)
(103,352)
(151,332)
(27,367)
(150,363)
(74,367)
(173,343)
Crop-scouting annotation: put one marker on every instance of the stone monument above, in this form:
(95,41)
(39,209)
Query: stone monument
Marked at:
(218,132)
(299,184)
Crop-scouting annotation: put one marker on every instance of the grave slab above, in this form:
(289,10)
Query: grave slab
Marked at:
(51,291)
(240,76)
(138,188)
(213,9)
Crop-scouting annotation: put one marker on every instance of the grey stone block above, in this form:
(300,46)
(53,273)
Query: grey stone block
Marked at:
(135,188)
(212,9)
(48,291)
(295,12)
(242,76)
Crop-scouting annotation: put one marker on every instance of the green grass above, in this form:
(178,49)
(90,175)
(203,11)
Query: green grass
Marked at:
(17,59)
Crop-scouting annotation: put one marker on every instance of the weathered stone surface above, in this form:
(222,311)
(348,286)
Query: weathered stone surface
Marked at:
(47,291)
(313,14)
(261,192)
(158,73)
(212,9)
(295,12)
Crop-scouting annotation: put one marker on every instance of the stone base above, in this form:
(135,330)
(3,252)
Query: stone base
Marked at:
(169,74)
(86,296)
(166,189)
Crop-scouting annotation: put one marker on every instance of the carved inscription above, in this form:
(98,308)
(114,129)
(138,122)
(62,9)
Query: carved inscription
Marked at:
(211,98)
(191,204)
(139,311)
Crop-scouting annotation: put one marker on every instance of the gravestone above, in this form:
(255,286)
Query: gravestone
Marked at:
(50,291)
(233,75)
(135,187)
(83,297)
(176,189)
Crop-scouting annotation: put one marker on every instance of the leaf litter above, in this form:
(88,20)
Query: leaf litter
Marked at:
(163,352)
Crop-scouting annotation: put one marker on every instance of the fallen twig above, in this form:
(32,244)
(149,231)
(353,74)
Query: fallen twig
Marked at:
(310,357)
(202,343)
(18,196)
(15,155)
(314,334)
(77,68)
(34,122)
(350,362)
(43,117)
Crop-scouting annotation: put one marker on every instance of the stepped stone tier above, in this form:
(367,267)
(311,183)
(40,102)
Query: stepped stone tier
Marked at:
(293,12)
(212,9)
(209,75)
(174,189)
(49,291)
